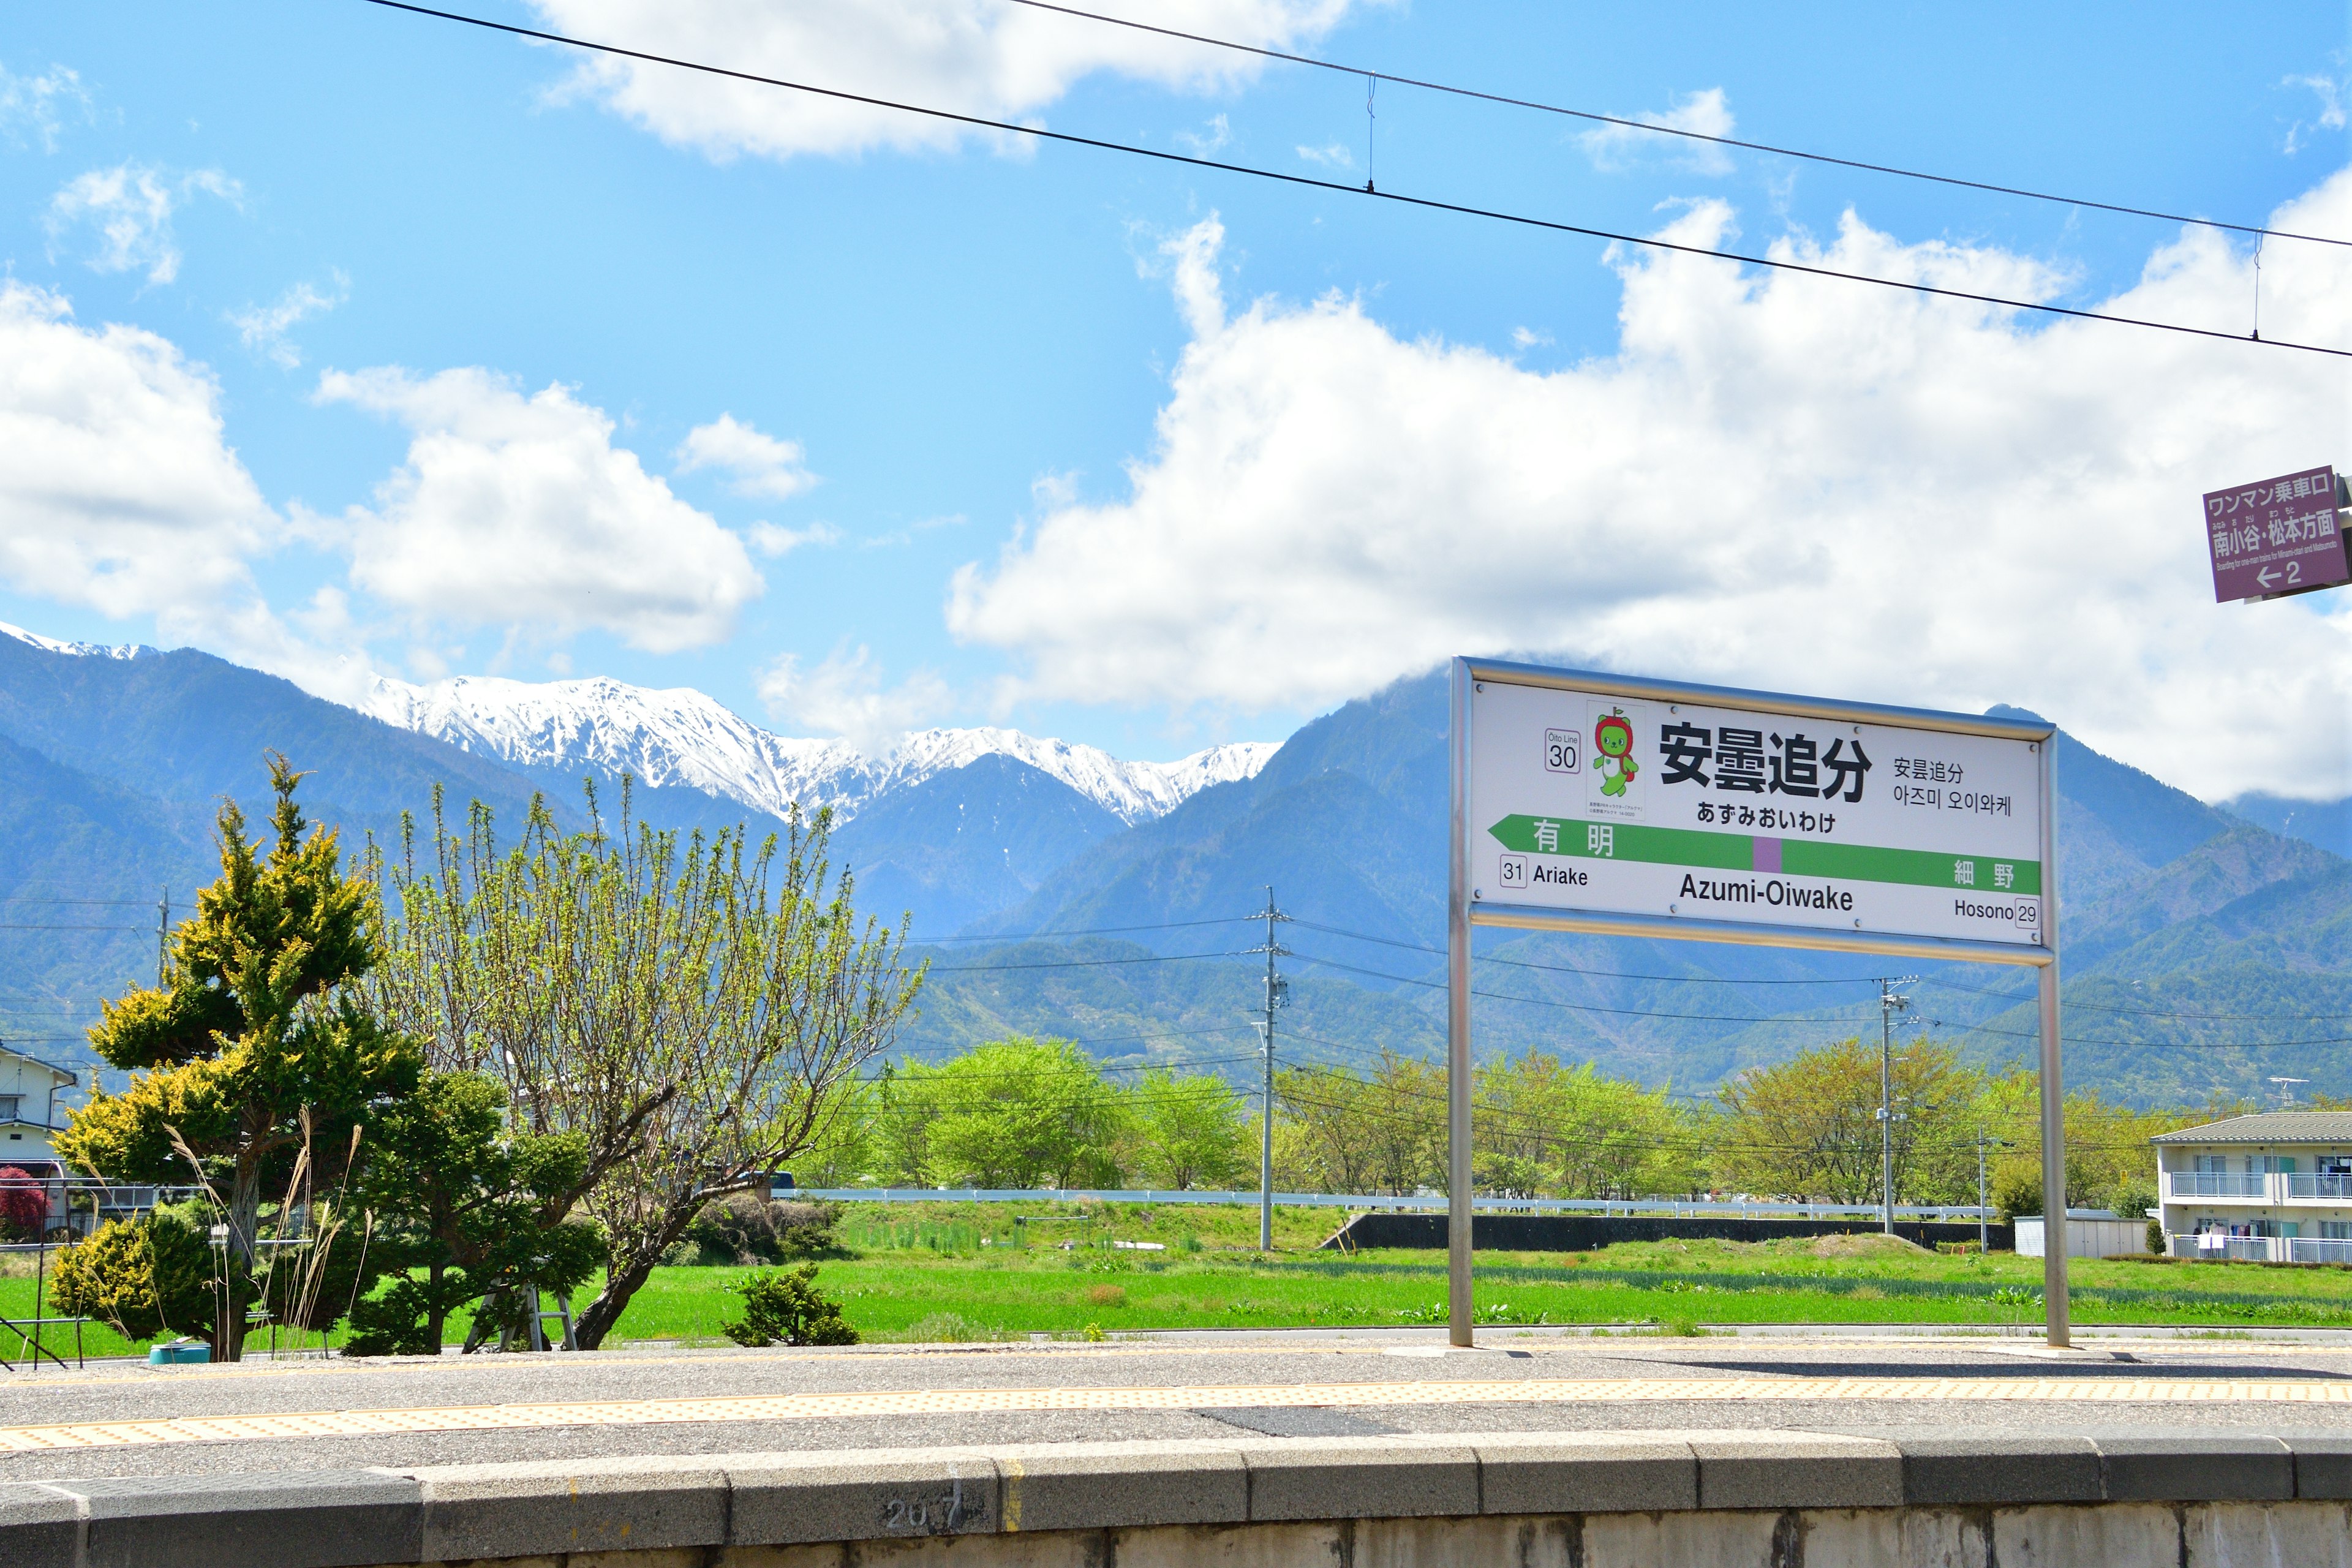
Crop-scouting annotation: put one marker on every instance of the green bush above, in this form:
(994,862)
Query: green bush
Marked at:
(746,1228)
(784,1307)
(2017,1191)
(144,1277)
(2156,1236)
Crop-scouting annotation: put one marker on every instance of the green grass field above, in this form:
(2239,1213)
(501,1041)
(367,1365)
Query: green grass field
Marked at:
(949,1271)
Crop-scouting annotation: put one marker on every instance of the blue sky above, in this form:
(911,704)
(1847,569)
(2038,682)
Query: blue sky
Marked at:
(1153,457)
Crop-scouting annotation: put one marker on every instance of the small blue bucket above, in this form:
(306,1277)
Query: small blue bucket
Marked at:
(179,1352)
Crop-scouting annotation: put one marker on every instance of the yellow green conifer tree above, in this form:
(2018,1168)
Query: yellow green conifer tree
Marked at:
(257,1019)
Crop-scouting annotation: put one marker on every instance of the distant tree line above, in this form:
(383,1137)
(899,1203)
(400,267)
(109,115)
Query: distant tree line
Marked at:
(1020,1113)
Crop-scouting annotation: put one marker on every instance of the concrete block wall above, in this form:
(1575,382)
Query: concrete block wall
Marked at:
(1531,1499)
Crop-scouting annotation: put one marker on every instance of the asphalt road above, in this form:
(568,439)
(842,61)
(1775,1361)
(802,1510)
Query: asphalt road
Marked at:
(1298,1365)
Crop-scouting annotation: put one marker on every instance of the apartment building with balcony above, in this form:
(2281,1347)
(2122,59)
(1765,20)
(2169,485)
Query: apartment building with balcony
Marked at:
(2275,1188)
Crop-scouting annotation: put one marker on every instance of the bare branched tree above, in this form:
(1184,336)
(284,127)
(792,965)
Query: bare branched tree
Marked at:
(694,1009)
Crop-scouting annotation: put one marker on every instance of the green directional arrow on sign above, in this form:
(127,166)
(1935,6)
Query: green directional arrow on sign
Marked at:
(1987,874)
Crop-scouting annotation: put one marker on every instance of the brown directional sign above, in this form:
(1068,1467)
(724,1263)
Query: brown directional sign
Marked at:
(2277,536)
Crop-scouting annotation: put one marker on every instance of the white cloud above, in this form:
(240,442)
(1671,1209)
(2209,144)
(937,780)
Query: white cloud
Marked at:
(520,511)
(973,57)
(763,465)
(1193,260)
(129,208)
(117,489)
(1212,138)
(1332,155)
(1528,338)
(35,103)
(844,696)
(119,492)
(772,540)
(2331,108)
(1777,481)
(1615,147)
(264,327)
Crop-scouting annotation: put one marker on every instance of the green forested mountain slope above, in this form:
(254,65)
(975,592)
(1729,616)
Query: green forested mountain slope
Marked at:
(2160,894)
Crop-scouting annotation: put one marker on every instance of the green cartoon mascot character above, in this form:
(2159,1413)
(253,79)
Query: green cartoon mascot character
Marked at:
(1613,738)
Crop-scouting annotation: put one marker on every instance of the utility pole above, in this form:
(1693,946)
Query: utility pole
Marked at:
(163,933)
(1277,994)
(1889,1004)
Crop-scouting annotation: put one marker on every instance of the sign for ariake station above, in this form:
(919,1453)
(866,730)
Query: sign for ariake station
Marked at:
(1714,808)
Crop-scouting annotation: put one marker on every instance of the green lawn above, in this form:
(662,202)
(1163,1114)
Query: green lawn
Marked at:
(952,1270)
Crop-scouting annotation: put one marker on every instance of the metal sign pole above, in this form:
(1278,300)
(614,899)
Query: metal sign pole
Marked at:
(1458,1318)
(2054,1097)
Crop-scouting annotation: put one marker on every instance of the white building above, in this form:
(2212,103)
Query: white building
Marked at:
(2276,1186)
(29,1112)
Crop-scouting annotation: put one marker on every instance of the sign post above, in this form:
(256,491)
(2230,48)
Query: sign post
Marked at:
(1607,804)
(2277,537)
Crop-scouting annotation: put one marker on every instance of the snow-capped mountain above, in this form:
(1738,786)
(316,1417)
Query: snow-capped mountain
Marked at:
(682,738)
(78,650)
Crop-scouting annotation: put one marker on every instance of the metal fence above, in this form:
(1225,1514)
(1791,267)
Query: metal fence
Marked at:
(2215,1185)
(2308,1186)
(1414,1202)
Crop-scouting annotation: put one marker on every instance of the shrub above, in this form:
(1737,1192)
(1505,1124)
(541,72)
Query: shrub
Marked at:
(784,1307)
(746,1228)
(2017,1191)
(945,1328)
(393,1323)
(144,1276)
(23,1204)
(2156,1243)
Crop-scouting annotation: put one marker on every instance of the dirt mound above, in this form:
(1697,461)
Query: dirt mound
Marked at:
(1870,1244)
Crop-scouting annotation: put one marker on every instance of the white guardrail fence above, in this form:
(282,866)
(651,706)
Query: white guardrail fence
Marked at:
(1678,1208)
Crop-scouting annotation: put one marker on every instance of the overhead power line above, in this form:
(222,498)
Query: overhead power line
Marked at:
(1687,134)
(1010,937)
(1577,969)
(1428,203)
(2150,1045)
(2073,1004)
(1573,1006)
(1853,980)
(1079,962)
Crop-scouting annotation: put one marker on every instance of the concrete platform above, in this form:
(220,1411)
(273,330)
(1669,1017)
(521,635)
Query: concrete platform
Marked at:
(1774,1499)
(1236,1449)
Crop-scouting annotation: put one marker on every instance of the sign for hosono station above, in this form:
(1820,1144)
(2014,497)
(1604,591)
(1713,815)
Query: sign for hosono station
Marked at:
(1589,802)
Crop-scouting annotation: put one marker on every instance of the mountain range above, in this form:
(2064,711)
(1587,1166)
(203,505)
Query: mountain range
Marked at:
(1059,890)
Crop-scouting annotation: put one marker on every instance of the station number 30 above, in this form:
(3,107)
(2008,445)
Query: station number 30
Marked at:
(1561,755)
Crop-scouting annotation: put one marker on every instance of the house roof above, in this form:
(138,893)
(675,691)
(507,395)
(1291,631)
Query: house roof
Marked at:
(2270,1127)
(63,1075)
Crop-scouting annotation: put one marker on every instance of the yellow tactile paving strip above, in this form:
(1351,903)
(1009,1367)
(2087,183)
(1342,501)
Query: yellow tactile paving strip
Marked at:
(977,1401)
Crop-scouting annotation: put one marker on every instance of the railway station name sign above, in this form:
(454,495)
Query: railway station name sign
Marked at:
(1713,809)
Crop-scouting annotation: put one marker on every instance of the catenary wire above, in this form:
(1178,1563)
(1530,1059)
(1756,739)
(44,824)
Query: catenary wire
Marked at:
(1687,134)
(1429,204)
